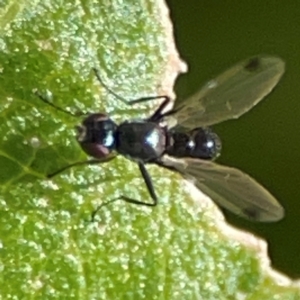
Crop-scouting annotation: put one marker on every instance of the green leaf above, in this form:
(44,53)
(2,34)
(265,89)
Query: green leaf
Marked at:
(48,249)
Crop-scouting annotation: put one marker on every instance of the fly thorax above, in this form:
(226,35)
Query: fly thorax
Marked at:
(141,140)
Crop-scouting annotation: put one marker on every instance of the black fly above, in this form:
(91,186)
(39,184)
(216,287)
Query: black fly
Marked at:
(190,146)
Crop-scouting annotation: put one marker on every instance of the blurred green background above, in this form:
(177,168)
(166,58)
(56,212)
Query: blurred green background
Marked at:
(213,35)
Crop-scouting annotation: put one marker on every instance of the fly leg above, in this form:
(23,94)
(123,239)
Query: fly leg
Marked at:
(46,100)
(80,163)
(150,189)
(131,102)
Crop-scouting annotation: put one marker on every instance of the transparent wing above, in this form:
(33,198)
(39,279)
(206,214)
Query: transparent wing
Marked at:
(231,94)
(230,188)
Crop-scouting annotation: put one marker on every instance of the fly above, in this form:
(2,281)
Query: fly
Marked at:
(189,147)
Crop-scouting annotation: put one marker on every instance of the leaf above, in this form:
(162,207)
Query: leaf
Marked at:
(49,250)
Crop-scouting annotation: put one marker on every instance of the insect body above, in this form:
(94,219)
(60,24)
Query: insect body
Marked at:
(191,146)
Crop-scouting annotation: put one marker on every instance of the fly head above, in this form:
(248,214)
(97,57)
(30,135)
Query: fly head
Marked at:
(96,135)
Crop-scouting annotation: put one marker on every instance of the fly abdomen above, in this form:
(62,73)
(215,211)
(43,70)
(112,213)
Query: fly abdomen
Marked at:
(200,143)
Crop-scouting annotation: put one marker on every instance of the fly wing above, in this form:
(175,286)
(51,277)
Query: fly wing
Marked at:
(230,188)
(231,94)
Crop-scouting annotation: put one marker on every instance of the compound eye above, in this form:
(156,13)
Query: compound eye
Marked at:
(95,150)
